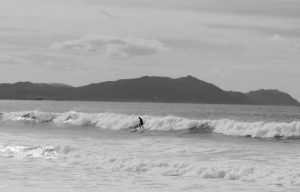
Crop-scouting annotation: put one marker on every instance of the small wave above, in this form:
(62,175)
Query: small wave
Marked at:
(257,129)
(233,170)
(38,151)
(115,121)
(34,116)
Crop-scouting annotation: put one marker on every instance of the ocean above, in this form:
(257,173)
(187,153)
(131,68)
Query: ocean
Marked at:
(71,146)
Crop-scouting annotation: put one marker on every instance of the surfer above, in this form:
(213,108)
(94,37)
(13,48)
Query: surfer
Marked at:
(141,124)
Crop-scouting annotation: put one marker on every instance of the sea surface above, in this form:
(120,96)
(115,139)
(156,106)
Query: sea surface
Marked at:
(70,146)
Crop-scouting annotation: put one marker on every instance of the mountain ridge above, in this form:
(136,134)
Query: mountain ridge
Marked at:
(186,89)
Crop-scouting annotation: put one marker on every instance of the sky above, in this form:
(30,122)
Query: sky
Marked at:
(238,45)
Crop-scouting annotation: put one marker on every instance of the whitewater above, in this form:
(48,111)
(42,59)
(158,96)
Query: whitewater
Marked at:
(89,146)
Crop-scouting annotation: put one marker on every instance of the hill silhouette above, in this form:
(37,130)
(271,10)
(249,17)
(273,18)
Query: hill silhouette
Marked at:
(145,89)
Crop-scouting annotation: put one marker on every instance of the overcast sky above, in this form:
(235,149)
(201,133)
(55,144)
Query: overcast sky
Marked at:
(238,45)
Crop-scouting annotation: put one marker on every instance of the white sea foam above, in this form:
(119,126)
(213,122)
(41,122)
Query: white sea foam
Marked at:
(227,170)
(20,151)
(115,121)
(257,129)
(35,116)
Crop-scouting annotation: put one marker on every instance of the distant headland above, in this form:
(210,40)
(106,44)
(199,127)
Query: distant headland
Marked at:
(145,89)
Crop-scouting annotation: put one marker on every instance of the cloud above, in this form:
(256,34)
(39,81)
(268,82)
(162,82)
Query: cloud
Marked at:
(115,47)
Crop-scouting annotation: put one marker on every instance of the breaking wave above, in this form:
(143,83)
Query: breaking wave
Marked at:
(115,121)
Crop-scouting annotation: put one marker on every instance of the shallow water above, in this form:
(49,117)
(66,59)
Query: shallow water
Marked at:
(88,146)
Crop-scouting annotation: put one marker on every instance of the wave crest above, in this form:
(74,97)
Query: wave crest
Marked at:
(115,121)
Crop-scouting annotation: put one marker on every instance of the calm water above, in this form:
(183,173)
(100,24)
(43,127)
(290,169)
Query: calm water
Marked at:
(89,146)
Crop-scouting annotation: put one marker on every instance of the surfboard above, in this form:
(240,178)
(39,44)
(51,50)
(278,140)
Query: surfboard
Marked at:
(137,130)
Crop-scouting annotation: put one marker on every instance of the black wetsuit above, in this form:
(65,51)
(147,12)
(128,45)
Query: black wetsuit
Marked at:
(141,123)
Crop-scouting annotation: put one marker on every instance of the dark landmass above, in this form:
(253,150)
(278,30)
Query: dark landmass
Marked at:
(271,97)
(145,89)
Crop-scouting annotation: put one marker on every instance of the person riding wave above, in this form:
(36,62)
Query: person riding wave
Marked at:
(141,124)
